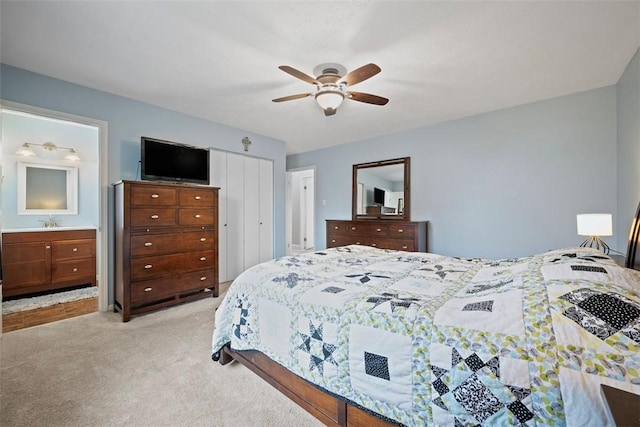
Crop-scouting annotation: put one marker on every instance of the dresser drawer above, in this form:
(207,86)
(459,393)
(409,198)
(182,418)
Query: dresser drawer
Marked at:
(142,195)
(154,266)
(337,227)
(196,197)
(72,249)
(402,230)
(165,243)
(196,216)
(335,240)
(169,286)
(67,271)
(395,244)
(151,217)
(369,229)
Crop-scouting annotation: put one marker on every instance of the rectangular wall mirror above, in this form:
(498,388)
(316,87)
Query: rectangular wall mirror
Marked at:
(381,190)
(47,189)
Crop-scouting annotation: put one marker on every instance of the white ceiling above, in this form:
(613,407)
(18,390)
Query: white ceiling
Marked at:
(219,60)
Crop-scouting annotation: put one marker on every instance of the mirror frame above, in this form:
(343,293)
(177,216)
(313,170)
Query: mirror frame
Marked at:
(406,213)
(71,189)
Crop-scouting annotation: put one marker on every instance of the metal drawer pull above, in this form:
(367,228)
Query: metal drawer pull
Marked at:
(47,247)
(147,244)
(197,216)
(379,230)
(148,289)
(154,217)
(353,228)
(75,269)
(203,278)
(197,197)
(75,249)
(401,231)
(374,245)
(405,247)
(333,241)
(148,266)
(203,239)
(336,228)
(203,258)
(357,243)
(154,196)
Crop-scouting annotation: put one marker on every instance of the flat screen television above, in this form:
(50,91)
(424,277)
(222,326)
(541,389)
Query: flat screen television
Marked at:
(378,196)
(173,162)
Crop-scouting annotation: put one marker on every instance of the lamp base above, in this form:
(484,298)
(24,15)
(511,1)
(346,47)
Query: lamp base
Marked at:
(597,242)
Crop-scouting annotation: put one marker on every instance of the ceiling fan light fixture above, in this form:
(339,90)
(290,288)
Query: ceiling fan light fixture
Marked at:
(329,99)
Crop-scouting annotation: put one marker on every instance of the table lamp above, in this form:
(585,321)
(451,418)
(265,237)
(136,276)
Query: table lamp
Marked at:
(594,226)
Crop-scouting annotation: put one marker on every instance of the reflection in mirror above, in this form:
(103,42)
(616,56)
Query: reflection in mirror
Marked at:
(45,189)
(380,189)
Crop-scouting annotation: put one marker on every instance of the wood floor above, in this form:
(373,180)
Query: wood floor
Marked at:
(40,316)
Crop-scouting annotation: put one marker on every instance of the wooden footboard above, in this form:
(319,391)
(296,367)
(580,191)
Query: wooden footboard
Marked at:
(327,408)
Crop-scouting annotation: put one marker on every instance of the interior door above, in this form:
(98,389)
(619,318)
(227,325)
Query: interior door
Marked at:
(307,200)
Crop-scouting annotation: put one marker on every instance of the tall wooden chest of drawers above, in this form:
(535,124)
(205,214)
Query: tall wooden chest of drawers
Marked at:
(166,245)
(399,235)
(47,260)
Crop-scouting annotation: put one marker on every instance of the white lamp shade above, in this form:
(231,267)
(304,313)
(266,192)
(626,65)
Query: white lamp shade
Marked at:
(329,99)
(595,225)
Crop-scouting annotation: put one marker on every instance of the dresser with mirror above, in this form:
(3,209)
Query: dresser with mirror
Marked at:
(380,210)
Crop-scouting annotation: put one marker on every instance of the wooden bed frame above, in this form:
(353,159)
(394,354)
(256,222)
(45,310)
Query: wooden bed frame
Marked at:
(331,410)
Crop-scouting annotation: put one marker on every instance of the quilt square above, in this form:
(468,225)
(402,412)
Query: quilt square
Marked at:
(380,364)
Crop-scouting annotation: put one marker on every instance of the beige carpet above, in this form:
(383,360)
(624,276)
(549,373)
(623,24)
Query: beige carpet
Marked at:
(155,370)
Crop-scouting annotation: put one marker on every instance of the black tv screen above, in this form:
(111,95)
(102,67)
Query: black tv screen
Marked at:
(378,196)
(173,162)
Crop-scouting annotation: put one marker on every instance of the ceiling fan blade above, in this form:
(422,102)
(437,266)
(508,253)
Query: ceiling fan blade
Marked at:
(292,97)
(299,74)
(330,111)
(361,74)
(367,97)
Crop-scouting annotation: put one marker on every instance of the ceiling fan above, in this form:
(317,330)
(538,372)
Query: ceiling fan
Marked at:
(332,88)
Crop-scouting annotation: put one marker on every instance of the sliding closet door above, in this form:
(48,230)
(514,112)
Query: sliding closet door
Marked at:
(218,174)
(235,215)
(266,210)
(251,211)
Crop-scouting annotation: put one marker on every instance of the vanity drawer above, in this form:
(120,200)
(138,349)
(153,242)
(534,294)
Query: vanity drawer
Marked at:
(165,243)
(169,286)
(153,196)
(196,197)
(196,216)
(73,249)
(73,271)
(154,266)
(150,217)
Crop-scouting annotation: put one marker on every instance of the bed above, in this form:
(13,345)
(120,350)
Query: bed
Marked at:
(365,336)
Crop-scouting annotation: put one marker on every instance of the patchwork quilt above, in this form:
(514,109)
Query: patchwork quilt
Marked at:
(425,339)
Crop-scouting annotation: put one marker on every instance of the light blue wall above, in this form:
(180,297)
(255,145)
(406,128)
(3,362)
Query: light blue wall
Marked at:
(501,184)
(128,120)
(628,91)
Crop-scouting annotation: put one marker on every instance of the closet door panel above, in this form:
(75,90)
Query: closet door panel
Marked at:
(266,210)
(218,174)
(235,215)
(251,212)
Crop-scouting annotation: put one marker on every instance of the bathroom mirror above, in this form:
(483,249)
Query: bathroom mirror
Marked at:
(47,189)
(381,190)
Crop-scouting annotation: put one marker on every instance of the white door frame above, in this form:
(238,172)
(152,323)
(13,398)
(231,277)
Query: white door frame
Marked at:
(102,231)
(290,207)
